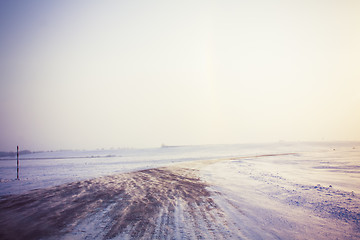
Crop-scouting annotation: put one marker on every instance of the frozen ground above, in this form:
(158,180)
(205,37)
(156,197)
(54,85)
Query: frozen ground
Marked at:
(46,169)
(272,191)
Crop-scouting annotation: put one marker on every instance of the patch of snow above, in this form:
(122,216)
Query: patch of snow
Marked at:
(307,192)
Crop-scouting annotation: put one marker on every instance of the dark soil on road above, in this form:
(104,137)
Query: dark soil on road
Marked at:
(143,204)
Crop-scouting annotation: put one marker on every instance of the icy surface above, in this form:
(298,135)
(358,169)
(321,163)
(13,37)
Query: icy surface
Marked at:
(46,169)
(335,164)
(310,193)
(263,191)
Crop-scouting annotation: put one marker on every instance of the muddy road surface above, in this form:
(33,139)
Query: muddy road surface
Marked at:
(150,204)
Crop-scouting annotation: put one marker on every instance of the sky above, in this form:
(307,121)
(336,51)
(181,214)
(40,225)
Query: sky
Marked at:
(101,74)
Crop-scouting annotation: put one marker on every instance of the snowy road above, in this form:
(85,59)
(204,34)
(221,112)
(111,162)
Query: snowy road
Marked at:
(149,204)
(285,195)
(169,203)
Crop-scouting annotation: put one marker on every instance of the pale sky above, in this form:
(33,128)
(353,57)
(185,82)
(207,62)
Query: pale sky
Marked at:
(93,74)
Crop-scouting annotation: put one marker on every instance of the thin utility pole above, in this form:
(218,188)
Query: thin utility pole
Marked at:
(17,154)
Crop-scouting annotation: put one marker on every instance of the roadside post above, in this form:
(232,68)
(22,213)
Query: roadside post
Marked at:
(17,154)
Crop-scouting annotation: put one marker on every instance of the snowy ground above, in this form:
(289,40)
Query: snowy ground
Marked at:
(46,169)
(269,191)
(292,196)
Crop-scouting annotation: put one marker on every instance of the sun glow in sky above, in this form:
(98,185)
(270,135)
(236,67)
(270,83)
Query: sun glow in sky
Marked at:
(89,74)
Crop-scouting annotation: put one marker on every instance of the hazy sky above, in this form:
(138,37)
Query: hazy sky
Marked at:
(90,74)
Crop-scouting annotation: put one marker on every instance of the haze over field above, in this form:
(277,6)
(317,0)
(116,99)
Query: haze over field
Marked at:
(77,74)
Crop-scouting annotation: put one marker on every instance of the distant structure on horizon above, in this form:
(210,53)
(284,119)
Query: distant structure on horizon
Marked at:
(167,146)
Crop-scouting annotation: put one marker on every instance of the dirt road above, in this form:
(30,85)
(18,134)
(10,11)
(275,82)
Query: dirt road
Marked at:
(173,203)
(149,204)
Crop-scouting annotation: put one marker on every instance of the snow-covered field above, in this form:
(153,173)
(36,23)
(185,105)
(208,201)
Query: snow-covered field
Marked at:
(46,169)
(309,193)
(258,191)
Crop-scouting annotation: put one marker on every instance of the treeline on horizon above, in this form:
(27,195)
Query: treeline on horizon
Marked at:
(13,154)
